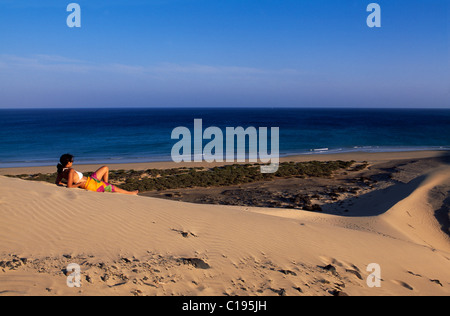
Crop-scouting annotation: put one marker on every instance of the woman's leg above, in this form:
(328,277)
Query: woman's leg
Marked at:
(103,174)
(121,191)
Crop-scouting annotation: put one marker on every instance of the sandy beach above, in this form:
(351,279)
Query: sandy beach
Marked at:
(194,242)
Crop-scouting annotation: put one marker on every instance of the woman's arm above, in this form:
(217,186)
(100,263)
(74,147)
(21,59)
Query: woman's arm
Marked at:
(59,179)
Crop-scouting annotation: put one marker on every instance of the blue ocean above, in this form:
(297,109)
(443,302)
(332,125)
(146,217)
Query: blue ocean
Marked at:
(38,137)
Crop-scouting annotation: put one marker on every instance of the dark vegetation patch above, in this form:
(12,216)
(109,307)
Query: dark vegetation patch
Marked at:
(180,178)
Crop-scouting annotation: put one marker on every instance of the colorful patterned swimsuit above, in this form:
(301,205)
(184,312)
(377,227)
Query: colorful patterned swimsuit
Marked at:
(96,185)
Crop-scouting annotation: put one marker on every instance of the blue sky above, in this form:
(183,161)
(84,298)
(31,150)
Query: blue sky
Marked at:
(244,53)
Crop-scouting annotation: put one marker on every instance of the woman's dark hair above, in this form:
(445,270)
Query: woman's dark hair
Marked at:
(63,161)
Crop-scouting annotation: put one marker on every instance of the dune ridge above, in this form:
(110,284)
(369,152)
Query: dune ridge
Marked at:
(414,216)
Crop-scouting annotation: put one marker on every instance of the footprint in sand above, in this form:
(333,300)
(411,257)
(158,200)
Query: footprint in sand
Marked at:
(195,262)
(184,234)
(437,282)
(415,274)
(329,260)
(431,280)
(403,284)
(355,273)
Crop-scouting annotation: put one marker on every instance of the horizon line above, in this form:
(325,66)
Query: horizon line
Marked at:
(227,107)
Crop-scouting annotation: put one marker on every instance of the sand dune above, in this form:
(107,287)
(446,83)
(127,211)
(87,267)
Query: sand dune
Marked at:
(134,245)
(414,216)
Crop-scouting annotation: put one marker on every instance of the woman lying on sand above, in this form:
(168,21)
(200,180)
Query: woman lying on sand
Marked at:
(97,182)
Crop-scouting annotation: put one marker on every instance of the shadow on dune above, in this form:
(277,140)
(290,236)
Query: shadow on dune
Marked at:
(443,215)
(380,201)
(444,158)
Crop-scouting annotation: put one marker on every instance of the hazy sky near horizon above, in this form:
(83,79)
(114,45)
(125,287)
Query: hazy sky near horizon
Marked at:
(227,53)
